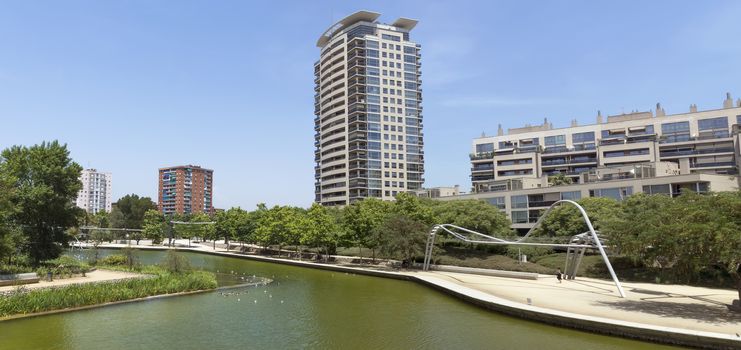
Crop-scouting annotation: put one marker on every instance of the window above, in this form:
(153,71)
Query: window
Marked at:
(657,189)
(580,137)
(555,140)
(390,37)
(617,193)
(371,44)
(713,123)
(518,202)
(497,202)
(633,152)
(571,195)
(668,128)
(519,216)
(675,132)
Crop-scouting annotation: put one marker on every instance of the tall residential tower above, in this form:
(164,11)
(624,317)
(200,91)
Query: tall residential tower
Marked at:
(95,194)
(367,102)
(185,189)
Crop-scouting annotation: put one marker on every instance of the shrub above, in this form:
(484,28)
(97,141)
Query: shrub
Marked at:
(114,260)
(175,262)
(532,252)
(64,266)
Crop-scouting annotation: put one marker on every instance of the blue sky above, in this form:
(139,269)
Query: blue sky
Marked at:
(132,86)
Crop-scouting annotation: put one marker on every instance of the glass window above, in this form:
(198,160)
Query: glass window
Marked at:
(571,195)
(372,62)
(518,202)
(675,127)
(713,123)
(390,37)
(497,202)
(617,193)
(484,147)
(657,189)
(372,53)
(519,216)
(555,140)
(371,44)
(580,137)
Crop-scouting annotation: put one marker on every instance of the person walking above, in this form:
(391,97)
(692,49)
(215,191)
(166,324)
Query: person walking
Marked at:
(558,275)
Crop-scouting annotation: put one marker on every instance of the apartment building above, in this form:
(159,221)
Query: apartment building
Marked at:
(368,113)
(697,141)
(95,194)
(185,189)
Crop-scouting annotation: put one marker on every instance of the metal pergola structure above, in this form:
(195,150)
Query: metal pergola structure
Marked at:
(575,249)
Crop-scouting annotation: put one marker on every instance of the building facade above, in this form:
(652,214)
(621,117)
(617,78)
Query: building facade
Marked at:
(368,113)
(185,189)
(95,194)
(697,141)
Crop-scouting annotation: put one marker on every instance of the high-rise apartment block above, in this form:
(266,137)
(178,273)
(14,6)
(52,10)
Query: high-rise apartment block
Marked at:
(95,194)
(368,124)
(185,189)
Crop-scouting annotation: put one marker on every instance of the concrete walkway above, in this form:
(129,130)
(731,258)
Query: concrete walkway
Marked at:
(93,276)
(675,306)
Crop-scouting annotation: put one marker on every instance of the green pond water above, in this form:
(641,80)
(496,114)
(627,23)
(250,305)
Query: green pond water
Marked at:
(302,308)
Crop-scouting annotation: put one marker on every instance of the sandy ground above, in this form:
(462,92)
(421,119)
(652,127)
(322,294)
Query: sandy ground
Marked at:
(94,276)
(677,306)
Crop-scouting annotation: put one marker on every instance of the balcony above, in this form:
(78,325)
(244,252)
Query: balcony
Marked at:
(713,165)
(481,155)
(538,204)
(693,151)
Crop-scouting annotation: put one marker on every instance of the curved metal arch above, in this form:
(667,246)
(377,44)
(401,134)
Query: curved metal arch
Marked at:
(493,240)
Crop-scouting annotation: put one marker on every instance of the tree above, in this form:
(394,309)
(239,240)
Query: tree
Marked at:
(559,180)
(280,225)
(154,226)
(474,215)
(321,228)
(402,237)
(45,182)
(566,221)
(362,219)
(129,211)
(228,224)
(684,235)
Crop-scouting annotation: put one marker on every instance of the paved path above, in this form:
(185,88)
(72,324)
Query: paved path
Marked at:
(94,276)
(676,306)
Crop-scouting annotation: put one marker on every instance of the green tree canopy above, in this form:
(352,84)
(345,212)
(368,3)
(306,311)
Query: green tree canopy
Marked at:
(474,215)
(129,211)
(154,226)
(45,182)
(565,220)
